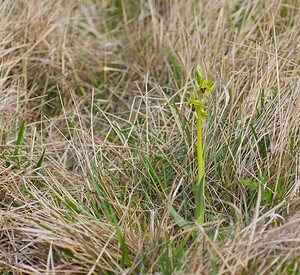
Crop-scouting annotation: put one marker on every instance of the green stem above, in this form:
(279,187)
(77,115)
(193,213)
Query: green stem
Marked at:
(199,214)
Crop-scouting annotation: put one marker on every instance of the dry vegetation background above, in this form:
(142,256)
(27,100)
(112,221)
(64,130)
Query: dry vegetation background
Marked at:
(107,141)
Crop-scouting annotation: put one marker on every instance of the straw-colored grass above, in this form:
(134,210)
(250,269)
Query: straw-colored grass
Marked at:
(97,139)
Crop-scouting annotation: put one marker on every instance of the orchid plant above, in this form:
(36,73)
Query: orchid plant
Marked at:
(197,98)
(203,90)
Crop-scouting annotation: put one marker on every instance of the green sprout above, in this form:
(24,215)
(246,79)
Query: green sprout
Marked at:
(203,89)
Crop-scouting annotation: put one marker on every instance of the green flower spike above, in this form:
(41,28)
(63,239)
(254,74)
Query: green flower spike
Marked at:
(203,86)
(203,89)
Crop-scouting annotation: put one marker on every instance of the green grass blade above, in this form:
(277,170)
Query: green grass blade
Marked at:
(39,163)
(19,141)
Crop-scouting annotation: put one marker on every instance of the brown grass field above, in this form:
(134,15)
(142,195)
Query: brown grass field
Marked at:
(97,139)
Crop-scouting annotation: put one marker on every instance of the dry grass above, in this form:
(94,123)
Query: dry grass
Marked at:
(102,88)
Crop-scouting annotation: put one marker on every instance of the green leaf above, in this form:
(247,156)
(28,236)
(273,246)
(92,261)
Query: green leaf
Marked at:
(180,221)
(252,184)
